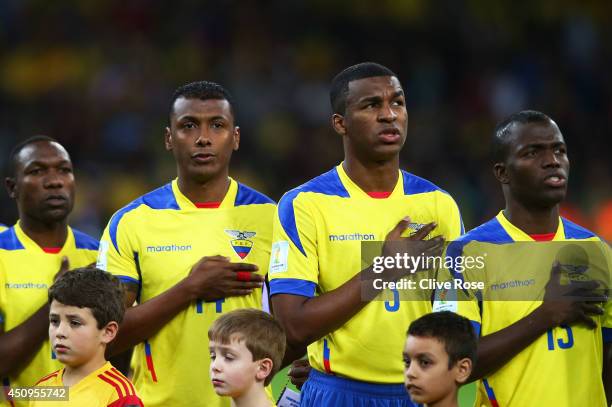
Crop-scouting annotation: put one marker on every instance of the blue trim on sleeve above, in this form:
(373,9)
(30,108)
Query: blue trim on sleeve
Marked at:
(249,196)
(326,184)
(573,231)
(84,241)
(129,280)
(9,240)
(606,334)
(476,326)
(161,198)
(292,286)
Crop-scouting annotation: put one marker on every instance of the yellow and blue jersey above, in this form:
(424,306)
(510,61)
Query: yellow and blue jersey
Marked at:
(563,367)
(26,273)
(154,242)
(3,227)
(318,232)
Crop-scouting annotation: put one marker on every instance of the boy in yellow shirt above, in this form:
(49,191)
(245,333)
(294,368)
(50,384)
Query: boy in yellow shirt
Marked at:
(86,307)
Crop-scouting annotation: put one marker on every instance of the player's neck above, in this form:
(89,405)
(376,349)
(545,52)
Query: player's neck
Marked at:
(74,374)
(254,397)
(530,220)
(372,176)
(211,190)
(52,234)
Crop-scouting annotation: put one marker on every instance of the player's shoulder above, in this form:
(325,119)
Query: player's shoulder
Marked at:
(9,240)
(574,231)
(489,232)
(120,390)
(84,241)
(413,185)
(158,199)
(246,195)
(48,379)
(328,184)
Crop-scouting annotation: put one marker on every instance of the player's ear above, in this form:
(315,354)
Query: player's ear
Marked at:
(337,121)
(109,332)
(236,136)
(463,370)
(11,187)
(168,139)
(501,172)
(264,369)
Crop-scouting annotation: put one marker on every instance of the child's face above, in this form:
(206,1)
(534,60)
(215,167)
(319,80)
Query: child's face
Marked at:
(232,368)
(426,374)
(74,334)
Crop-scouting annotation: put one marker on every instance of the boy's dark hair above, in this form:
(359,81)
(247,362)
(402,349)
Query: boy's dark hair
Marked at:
(340,83)
(91,288)
(503,130)
(11,165)
(263,335)
(454,331)
(203,90)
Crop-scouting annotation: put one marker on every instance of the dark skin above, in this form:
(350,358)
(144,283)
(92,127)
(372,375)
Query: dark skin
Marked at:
(43,188)
(534,181)
(202,136)
(373,129)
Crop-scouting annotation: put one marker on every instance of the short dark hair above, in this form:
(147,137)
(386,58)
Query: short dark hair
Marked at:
(263,335)
(91,288)
(503,131)
(454,331)
(11,168)
(203,90)
(340,83)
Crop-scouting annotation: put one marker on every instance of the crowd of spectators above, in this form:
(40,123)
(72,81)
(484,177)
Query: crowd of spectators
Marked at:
(98,76)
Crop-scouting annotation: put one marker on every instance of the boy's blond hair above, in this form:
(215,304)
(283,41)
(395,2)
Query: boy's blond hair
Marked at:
(263,335)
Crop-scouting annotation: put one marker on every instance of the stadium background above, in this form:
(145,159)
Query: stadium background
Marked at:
(98,76)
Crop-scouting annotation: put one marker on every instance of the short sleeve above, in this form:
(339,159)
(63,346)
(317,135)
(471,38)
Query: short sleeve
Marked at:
(293,259)
(117,254)
(461,301)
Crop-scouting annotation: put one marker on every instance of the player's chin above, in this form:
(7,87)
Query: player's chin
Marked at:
(553,196)
(203,173)
(419,397)
(223,391)
(56,213)
(385,152)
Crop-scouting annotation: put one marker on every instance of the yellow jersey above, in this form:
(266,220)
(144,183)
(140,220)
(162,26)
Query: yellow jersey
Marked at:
(318,231)
(26,273)
(154,242)
(562,368)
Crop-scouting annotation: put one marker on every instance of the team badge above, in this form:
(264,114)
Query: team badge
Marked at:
(240,242)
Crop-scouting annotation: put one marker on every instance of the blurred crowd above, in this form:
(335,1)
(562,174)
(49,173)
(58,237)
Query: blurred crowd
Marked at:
(98,76)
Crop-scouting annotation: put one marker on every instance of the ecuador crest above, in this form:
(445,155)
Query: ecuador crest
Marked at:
(240,242)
